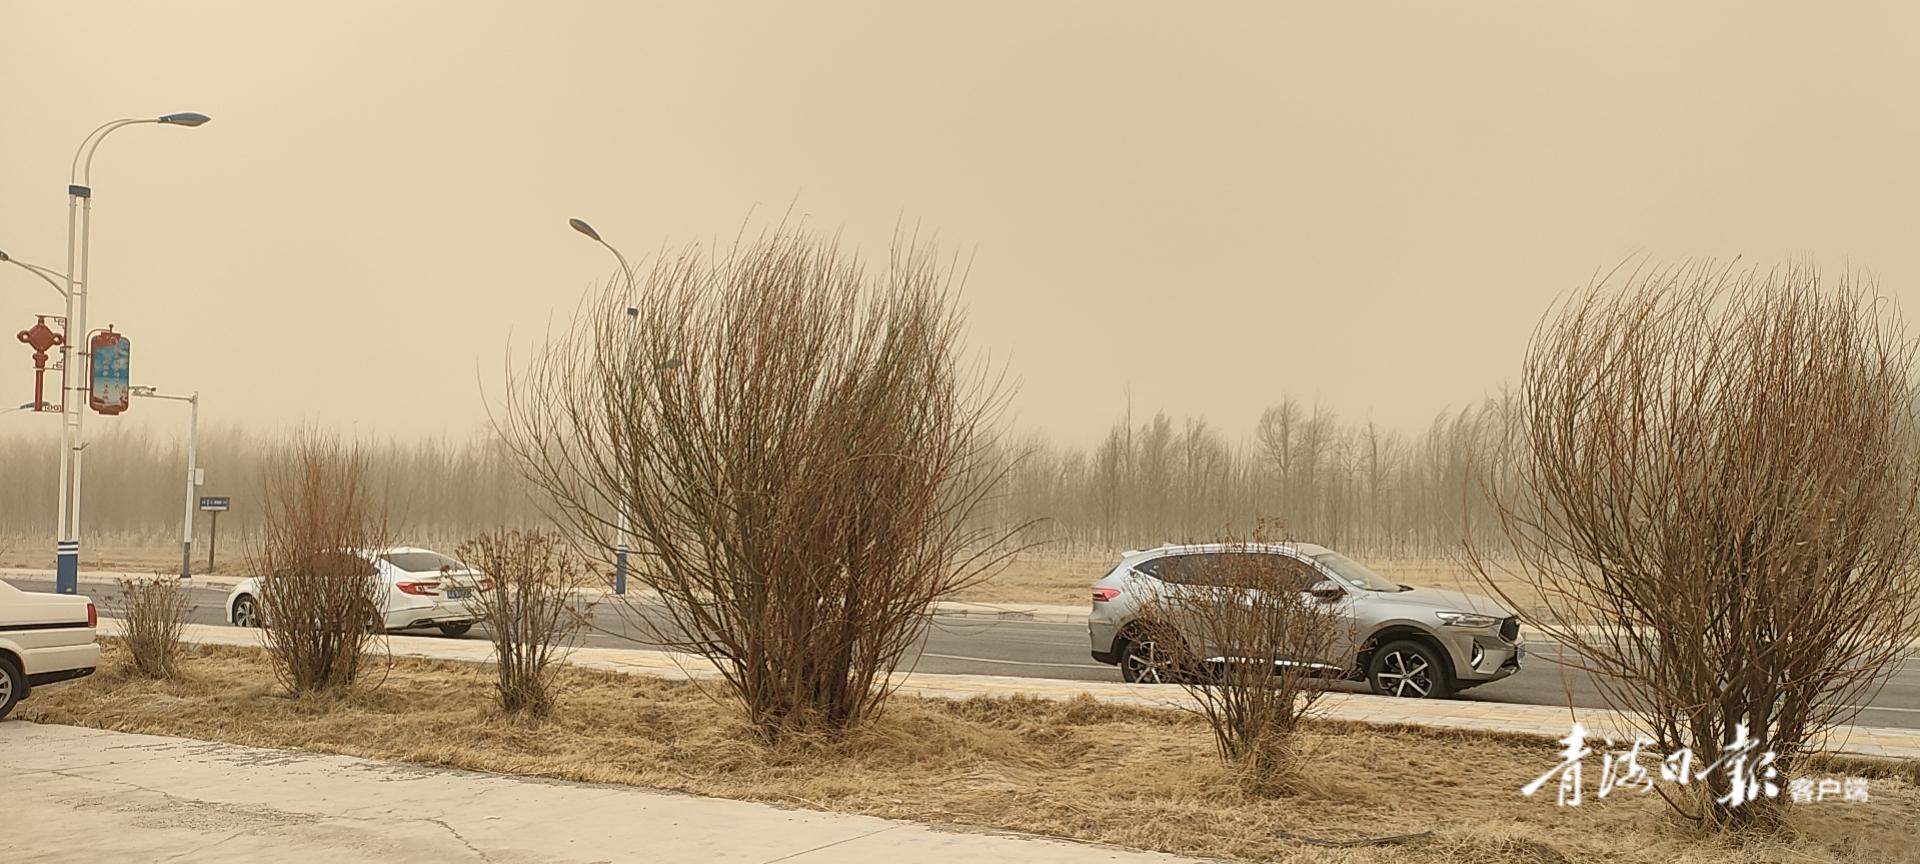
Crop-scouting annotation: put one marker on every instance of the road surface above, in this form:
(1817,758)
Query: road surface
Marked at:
(1031,649)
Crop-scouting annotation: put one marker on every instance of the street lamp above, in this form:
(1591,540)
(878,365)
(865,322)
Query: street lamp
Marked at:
(46,275)
(581,226)
(633,315)
(72,443)
(193,467)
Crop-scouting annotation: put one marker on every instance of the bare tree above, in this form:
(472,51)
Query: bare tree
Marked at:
(1715,499)
(798,446)
(1111,483)
(152,612)
(317,592)
(1241,631)
(528,611)
(1313,444)
(1278,432)
(1201,456)
(1153,482)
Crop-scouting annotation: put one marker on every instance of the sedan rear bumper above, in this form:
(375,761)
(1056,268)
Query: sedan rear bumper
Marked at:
(1106,649)
(430,612)
(39,662)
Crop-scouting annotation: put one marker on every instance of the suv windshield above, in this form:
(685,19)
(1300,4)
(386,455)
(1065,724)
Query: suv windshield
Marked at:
(1355,572)
(422,562)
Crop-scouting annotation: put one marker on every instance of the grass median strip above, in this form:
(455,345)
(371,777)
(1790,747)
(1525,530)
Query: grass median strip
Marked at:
(1084,770)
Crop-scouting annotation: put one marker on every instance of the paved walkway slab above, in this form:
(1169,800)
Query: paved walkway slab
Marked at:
(86,795)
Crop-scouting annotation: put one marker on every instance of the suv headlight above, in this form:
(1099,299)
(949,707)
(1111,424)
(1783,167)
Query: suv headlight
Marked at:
(1466,619)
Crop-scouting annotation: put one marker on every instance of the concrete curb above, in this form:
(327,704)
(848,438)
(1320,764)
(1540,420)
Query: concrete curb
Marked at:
(1012,612)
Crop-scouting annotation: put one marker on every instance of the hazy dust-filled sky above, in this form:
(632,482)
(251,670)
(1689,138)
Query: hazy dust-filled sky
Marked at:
(1206,205)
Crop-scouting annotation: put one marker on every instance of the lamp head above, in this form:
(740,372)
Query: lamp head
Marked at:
(581,226)
(185,118)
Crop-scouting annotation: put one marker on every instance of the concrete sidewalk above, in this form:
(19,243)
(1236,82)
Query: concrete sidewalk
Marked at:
(91,796)
(1541,720)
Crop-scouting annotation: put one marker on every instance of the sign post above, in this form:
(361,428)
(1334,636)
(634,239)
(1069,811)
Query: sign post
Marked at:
(213,505)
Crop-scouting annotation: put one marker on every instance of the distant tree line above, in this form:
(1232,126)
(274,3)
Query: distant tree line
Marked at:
(1302,469)
(434,487)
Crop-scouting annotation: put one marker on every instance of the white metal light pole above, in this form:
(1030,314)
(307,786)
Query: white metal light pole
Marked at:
(193,469)
(633,315)
(72,442)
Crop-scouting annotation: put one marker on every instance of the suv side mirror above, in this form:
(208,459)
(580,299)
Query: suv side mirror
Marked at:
(1327,591)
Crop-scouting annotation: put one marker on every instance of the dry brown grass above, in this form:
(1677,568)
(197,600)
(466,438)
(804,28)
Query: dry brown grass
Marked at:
(133,558)
(1082,770)
(1043,575)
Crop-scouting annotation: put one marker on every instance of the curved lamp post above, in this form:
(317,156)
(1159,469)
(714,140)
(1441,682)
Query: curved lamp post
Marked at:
(633,314)
(193,466)
(72,443)
(48,275)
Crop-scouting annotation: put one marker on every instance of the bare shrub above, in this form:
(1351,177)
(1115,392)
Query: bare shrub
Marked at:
(317,591)
(797,444)
(1715,503)
(1240,629)
(152,612)
(528,612)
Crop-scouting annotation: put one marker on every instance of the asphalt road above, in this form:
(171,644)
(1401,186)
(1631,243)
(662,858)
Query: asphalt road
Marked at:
(1029,649)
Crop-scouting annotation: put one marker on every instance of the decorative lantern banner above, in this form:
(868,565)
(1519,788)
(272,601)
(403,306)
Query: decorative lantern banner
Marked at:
(108,372)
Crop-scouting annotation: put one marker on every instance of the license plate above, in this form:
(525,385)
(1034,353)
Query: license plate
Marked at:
(1519,653)
(459,593)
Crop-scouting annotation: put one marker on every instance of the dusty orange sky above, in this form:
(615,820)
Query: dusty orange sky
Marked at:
(1209,205)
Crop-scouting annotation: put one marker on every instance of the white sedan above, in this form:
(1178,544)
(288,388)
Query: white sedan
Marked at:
(43,638)
(413,587)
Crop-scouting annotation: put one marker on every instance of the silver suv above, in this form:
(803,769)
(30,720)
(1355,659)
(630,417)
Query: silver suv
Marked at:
(1403,641)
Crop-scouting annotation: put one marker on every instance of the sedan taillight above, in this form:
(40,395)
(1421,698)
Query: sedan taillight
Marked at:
(93,615)
(1102,595)
(419,589)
